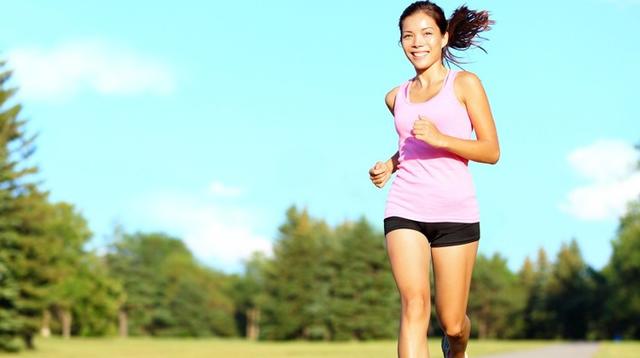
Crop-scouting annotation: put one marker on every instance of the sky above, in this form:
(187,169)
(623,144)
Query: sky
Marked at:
(207,120)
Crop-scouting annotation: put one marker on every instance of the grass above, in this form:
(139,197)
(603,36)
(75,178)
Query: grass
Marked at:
(626,349)
(237,348)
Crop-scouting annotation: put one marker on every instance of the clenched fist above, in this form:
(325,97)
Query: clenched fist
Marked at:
(379,174)
(426,131)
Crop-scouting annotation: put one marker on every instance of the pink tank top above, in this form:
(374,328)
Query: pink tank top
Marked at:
(432,185)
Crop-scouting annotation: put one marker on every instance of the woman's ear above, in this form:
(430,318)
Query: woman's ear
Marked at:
(445,40)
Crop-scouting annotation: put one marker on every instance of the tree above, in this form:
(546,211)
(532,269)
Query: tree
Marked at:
(495,298)
(539,321)
(9,321)
(167,292)
(23,213)
(623,272)
(248,293)
(569,293)
(67,232)
(295,283)
(365,300)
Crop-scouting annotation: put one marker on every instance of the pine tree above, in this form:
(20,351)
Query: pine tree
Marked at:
(623,272)
(495,297)
(22,216)
(568,293)
(9,323)
(540,320)
(366,303)
(297,301)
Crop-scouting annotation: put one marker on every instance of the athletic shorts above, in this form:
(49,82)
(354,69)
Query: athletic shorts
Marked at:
(437,233)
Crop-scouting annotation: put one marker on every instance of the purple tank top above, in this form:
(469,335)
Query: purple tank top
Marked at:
(432,185)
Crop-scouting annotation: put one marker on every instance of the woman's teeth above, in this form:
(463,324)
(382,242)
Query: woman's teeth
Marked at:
(420,54)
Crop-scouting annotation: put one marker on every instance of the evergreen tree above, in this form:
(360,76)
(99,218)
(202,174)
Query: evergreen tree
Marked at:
(495,298)
(366,303)
(569,293)
(9,322)
(623,272)
(297,296)
(23,213)
(539,321)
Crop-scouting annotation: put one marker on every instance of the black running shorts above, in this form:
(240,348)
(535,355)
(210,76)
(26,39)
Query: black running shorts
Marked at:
(437,233)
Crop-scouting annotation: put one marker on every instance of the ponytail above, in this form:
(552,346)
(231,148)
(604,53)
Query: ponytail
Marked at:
(463,26)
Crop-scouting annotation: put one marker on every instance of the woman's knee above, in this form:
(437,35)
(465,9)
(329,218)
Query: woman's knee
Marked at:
(416,305)
(453,327)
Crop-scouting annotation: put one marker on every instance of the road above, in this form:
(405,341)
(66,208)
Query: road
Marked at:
(563,350)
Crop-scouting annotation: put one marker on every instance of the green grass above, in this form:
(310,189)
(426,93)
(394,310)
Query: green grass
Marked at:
(236,348)
(619,350)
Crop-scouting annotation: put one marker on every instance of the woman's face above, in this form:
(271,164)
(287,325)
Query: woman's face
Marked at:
(421,40)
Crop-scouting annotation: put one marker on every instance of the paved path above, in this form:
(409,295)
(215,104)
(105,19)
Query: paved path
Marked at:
(563,350)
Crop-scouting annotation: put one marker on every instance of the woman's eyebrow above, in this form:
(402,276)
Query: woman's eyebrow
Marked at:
(424,28)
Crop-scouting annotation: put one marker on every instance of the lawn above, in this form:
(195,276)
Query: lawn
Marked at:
(187,348)
(619,350)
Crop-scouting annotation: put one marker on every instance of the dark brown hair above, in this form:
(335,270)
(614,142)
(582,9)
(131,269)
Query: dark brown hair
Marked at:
(463,26)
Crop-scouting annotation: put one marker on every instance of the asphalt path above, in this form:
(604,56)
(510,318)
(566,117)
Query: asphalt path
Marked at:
(562,350)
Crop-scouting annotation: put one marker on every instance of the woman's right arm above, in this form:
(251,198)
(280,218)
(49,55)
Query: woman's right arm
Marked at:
(390,99)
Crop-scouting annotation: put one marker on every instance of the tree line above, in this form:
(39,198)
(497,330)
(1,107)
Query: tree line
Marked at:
(321,283)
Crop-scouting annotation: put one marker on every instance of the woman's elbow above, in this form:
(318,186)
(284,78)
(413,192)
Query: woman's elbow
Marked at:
(495,157)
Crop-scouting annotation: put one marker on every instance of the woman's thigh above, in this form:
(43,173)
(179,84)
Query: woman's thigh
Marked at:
(409,255)
(452,269)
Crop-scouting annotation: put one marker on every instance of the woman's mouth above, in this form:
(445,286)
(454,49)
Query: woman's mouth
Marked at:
(420,54)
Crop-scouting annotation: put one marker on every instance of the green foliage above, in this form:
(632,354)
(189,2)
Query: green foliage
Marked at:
(9,321)
(167,292)
(295,281)
(494,299)
(623,272)
(327,284)
(568,294)
(80,281)
(23,212)
(365,303)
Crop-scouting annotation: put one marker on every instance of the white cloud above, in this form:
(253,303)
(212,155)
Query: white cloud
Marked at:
(611,166)
(220,189)
(605,160)
(219,234)
(61,72)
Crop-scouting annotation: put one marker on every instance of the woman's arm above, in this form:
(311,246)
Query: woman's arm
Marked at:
(485,148)
(392,163)
(390,100)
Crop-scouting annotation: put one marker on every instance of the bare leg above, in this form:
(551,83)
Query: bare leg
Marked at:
(452,268)
(409,255)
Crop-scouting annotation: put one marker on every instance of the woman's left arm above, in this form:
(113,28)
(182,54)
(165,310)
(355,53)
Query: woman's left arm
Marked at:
(485,149)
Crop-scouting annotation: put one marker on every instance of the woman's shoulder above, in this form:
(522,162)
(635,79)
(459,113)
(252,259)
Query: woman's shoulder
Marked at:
(466,79)
(390,97)
(465,83)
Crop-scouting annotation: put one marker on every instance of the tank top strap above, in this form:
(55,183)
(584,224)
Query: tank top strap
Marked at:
(404,88)
(450,79)
(401,94)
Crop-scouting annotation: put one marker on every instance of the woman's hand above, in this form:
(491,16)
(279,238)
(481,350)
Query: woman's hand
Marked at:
(426,131)
(380,173)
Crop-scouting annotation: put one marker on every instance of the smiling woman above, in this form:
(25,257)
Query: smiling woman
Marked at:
(432,211)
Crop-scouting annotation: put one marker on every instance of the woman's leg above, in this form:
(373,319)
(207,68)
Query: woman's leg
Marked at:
(409,256)
(452,269)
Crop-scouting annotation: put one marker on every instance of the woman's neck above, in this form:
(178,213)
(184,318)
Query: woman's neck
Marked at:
(432,74)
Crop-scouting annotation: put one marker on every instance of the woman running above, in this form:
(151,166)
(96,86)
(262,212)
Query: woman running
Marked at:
(431,211)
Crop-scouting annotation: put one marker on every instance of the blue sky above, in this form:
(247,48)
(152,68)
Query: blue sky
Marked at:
(207,120)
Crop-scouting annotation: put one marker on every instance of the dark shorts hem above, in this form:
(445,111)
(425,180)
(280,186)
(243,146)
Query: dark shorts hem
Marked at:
(438,234)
